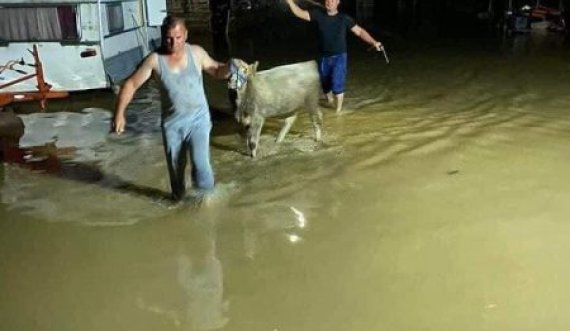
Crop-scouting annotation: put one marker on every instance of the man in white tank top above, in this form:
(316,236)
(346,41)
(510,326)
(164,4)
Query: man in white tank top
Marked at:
(186,123)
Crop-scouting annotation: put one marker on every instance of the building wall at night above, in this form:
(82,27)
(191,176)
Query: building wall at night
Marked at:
(197,12)
(401,15)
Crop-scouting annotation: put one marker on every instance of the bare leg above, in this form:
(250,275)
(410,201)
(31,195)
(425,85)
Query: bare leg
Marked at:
(339,99)
(286,127)
(330,99)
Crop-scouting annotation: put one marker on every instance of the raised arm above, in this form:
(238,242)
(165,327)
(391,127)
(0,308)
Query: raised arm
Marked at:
(366,37)
(128,89)
(297,11)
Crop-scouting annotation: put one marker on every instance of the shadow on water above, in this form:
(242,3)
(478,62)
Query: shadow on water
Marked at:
(58,161)
(224,124)
(46,159)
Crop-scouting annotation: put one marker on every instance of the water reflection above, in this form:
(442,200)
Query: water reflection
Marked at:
(198,274)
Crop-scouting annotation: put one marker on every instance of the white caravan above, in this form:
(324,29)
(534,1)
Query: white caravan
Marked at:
(82,44)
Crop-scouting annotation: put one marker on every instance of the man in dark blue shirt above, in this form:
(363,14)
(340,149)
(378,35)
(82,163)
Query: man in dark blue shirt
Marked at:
(332,26)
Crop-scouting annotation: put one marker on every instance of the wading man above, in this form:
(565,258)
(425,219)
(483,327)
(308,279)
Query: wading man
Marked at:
(186,120)
(332,26)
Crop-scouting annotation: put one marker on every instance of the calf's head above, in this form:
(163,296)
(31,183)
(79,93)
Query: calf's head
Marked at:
(240,74)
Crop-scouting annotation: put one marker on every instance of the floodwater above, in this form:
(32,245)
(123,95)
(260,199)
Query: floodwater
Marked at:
(438,201)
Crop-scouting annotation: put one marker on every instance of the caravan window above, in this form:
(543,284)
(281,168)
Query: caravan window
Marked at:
(55,23)
(115,17)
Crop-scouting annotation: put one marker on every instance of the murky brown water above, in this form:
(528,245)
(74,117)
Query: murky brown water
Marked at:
(438,202)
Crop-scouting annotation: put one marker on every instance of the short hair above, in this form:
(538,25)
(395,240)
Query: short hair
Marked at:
(170,22)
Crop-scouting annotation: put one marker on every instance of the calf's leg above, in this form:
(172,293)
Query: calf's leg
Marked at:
(317,120)
(286,127)
(253,134)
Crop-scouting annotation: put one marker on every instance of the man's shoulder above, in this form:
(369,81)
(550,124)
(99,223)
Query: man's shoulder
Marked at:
(347,18)
(196,49)
(316,13)
(151,60)
(344,15)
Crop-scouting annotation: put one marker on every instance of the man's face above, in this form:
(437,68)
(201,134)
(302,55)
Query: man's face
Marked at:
(331,5)
(175,38)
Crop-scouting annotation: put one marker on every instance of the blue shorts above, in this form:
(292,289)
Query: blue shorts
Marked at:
(332,70)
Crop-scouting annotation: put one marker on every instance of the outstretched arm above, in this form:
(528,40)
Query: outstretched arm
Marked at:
(214,68)
(128,89)
(297,11)
(366,37)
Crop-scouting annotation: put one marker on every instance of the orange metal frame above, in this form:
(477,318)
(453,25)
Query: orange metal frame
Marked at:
(44,89)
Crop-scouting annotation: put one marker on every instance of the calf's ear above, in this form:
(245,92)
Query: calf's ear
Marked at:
(254,67)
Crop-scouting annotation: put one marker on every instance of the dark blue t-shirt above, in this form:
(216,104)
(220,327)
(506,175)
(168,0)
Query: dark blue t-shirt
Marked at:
(331,31)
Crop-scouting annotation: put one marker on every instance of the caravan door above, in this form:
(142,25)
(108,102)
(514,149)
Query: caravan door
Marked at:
(128,36)
(155,12)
